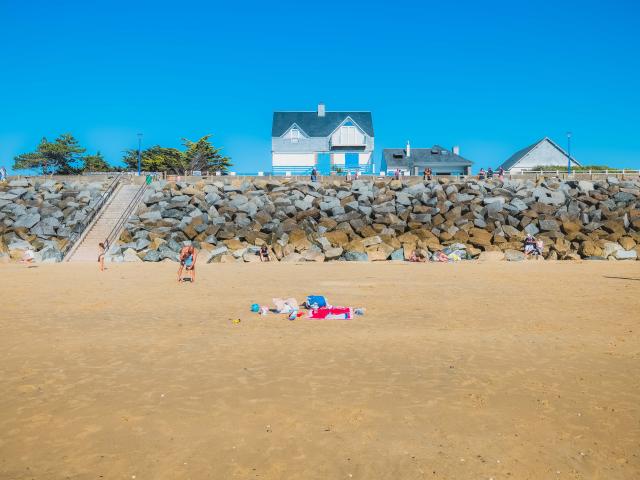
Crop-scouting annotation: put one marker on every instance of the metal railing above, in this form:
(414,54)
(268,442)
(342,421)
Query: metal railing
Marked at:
(117,228)
(80,227)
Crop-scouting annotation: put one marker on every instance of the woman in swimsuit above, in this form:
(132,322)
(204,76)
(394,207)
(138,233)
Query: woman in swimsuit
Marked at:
(187,259)
(102,249)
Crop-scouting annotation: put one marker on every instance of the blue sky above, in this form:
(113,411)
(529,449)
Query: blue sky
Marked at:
(490,76)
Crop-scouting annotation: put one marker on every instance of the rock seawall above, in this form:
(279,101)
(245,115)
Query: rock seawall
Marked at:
(382,219)
(41,215)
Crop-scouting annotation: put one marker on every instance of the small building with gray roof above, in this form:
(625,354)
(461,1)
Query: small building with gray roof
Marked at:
(413,161)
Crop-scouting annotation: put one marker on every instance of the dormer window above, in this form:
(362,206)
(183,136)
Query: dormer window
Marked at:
(295,135)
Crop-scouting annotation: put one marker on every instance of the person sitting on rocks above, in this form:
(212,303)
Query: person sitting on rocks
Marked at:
(187,258)
(481,174)
(532,246)
(264,254)
(490,173)
(28,257)
(501,174)
(416,257)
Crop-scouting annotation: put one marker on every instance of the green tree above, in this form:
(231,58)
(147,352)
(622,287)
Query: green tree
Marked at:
(156,159)
(202,155)
(95,163)
(62,156)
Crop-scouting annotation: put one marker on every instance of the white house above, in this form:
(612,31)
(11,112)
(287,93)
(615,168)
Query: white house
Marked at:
(327,141)
(544,152)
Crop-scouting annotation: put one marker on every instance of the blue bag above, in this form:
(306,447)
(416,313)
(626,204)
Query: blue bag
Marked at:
(316,301)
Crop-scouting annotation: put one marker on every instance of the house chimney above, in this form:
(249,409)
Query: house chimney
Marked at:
(321,109)
(408,149)
(456,150)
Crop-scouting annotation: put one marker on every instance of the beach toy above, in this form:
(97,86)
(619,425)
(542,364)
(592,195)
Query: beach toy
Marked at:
(293,315)
(255,308)
(235,321)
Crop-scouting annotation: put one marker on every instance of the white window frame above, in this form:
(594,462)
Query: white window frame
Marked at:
(295,135)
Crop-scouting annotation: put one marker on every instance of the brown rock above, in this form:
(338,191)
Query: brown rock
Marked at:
(627,243)
(189,231)
(156,242)
(571,226)
(338,238)
(491,256)
(589,248)
(233,244)
(479,237)
(379,252)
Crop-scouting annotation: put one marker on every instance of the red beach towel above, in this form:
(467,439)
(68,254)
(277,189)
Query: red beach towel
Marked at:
(331,313)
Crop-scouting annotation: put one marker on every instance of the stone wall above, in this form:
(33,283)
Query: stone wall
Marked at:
(41,215)
(228,220)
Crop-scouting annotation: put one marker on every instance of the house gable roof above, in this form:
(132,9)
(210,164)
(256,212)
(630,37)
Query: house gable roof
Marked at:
(316,126)
(520,154)
(423,157)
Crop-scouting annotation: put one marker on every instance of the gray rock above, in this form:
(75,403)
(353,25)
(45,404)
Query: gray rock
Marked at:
(152,256)
(28,220)
(531,229)
(19,182)
(398,254)
(356,257)
(333,253)
(549,225)
(626,255)
(514,255)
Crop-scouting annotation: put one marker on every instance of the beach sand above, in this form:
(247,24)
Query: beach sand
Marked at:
(459,371)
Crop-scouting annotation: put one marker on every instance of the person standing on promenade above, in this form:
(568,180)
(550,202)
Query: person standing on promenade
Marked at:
(3,174)
(314,175)
(187,259)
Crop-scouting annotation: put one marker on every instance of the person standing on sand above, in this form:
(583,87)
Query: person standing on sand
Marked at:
(187,259)
(102,250)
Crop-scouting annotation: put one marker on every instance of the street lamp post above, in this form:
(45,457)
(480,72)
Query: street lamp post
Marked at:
(569,152)
(139,152)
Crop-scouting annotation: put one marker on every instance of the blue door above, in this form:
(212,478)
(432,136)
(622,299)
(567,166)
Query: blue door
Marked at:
(351,161)
(324,164)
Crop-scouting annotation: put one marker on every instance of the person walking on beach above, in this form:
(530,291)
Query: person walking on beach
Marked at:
(187,259)
(102,250)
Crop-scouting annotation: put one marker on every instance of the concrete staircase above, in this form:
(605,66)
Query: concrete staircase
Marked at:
(86,249)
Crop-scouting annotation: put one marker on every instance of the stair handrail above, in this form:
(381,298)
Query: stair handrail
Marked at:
(133,204)
(80,227)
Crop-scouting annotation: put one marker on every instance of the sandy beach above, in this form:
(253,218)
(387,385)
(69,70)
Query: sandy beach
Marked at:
(457,371)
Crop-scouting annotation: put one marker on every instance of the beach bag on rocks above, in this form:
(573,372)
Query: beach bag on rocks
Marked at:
(316,301)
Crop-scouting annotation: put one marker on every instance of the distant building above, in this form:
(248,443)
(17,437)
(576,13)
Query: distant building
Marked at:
(328,141)
(544,152)
(413,161)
